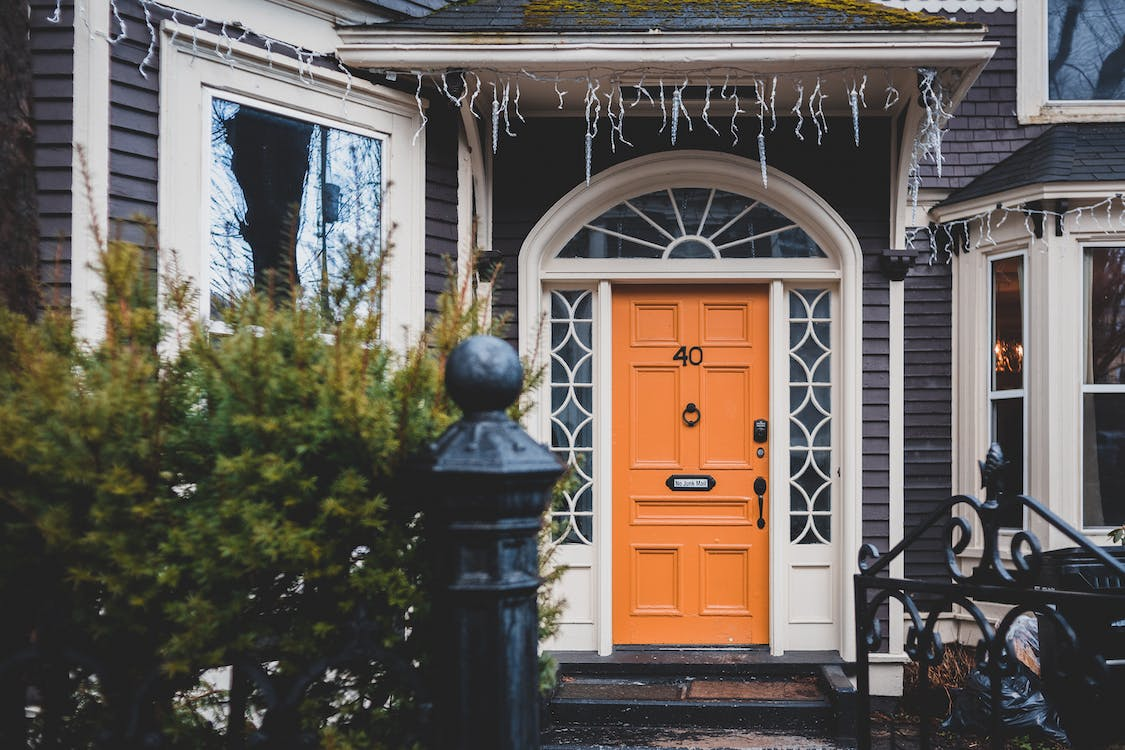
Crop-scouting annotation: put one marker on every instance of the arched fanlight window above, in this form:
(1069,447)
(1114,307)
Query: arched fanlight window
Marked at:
(681,223)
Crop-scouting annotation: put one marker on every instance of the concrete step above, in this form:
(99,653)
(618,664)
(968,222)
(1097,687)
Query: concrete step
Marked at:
(625,737)
(728,702)
(639,696)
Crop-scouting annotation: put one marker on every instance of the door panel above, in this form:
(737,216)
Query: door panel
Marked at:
(689,567)
(725,443)
(654,441)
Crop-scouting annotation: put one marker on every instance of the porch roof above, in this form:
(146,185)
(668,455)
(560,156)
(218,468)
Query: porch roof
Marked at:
(654,16)
(1066,153)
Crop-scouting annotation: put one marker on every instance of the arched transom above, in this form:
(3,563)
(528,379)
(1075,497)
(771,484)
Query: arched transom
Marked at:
(691,223)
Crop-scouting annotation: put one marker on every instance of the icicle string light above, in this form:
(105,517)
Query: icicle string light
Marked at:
(936,113)
(853,104)
(759,92)
(495,119)
(706,109)
(473,98)
(773,108)
(973,232)
(734,116)
(797,111)
(421,111)
(122,32)
(927,144)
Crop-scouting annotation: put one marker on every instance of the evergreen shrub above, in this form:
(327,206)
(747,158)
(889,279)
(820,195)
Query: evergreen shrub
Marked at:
(173,500)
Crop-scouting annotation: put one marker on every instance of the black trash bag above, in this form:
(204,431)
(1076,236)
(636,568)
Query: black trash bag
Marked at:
(1023,709)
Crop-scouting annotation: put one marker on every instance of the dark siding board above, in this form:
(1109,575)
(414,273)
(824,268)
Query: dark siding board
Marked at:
(441,200)
(134,120)
(52,93)
(984,129)
(927,358)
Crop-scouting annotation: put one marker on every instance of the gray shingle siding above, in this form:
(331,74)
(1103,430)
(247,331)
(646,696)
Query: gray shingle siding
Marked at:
(927,445)
(134,121)
(876,404)
(984,128)
(441,198)
(52,92)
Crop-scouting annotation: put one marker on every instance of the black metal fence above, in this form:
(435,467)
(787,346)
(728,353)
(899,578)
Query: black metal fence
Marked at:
(486,486)
(1082,648)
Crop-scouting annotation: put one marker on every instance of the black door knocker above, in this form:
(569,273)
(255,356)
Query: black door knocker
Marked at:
(689,410)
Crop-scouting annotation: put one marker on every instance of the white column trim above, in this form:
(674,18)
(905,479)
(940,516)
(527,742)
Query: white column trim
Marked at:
(896,429)
(603,490)
(89,176)
(779,468)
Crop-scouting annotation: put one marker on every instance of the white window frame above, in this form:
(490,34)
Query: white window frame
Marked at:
(1032,102)
(1083,386)
(1007,394)
(192,72)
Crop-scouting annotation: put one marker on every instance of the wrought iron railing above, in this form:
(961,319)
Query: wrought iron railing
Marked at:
(1079,678)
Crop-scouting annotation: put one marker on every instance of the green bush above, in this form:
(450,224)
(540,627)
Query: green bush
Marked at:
(175,499)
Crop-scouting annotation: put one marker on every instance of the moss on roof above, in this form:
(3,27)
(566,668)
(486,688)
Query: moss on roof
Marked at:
(848,12)
(643,16)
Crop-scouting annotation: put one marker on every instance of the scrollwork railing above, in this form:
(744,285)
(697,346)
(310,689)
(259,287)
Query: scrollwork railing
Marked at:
(1077,676)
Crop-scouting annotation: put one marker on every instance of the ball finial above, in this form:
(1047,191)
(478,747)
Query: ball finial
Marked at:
(483,373)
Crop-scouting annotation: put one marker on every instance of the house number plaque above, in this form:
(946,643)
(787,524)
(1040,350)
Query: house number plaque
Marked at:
(690,482)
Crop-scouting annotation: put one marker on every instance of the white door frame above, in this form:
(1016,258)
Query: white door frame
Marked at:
(842,271)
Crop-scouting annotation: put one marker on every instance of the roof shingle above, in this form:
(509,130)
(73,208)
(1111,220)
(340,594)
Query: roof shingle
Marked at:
(1075,152)
(672,16)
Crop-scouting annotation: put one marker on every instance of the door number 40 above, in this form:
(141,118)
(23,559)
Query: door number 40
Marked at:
(692,356)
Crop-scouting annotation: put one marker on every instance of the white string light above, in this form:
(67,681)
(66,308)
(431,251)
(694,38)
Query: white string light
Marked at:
(973,232)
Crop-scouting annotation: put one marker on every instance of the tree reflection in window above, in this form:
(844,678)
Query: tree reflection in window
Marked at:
(1103,389)
(288,198)
(1086,46)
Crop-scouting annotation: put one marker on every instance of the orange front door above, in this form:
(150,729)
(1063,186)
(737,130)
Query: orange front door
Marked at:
(690,377)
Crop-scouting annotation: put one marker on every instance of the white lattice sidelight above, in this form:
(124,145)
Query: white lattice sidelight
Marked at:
(810,416)
(572,416)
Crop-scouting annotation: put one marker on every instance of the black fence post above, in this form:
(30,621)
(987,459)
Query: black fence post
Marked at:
(491,484)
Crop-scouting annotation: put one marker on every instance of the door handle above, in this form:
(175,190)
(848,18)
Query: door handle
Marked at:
(760,490)
(689,410)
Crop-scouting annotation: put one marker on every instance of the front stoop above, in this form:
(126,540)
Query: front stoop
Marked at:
(700,698)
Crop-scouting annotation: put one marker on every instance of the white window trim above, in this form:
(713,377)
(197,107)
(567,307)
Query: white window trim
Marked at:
(191,73)
(1032,103)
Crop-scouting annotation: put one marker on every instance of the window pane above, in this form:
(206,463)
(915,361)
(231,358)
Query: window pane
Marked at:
(1007,324)
(1086,49)
(1007,430)
(572,412)
(1103,459)
(690,223)
(1105,315)
(289,198)
(810,420)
